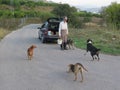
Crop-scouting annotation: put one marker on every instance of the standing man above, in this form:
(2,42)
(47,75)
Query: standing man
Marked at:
(63,32)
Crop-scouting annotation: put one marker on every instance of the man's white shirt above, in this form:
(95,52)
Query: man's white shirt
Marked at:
(63,26)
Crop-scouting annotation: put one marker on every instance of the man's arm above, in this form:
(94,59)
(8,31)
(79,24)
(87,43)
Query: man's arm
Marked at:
(59,30)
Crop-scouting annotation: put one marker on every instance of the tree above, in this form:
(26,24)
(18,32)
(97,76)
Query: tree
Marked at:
(112,15)
(64,10)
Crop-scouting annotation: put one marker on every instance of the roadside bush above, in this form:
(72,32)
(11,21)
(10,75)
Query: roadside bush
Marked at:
(44,16)
(6,13)
(19,14)
(75,21)
(87,19)
(111,15)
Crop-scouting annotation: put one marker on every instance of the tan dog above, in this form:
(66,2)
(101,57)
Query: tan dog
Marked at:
(30,51)
(76,68)
(70,44)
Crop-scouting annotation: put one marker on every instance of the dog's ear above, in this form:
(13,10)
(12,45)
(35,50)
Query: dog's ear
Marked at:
(34,46)
(89,41)
(70,65)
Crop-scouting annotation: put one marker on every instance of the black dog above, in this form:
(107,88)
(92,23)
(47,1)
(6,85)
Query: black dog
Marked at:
(92,49)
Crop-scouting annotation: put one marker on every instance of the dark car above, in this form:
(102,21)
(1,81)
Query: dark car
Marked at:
(49,30)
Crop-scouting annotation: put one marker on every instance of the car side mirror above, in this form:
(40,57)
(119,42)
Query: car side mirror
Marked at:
(39,28)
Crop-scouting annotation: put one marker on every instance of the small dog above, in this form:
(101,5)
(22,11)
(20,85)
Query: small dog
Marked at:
(92,49)
(76,68)
(70,44)
(30,51)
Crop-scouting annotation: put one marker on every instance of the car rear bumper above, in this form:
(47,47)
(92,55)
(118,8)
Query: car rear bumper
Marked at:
(51,37)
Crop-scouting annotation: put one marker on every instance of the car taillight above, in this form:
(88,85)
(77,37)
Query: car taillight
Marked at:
(49,33)
(45,32)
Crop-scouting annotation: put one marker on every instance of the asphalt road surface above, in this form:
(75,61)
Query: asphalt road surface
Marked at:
(47,70)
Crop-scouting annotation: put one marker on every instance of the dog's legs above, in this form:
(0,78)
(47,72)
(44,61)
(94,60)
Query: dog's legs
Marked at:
(75,76)
(72,46)
(98,57)
(69,46)
(31,57)
(92,58)
(28,57)
(69,70)
(81,72)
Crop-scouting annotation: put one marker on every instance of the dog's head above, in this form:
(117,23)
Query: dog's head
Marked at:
(33,46)
(89,41)
(71,67)
(69,41)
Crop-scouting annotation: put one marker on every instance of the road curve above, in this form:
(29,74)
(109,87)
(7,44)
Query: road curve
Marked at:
(47,70)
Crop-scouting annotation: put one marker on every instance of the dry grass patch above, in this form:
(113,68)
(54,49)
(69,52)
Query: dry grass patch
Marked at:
(3,33)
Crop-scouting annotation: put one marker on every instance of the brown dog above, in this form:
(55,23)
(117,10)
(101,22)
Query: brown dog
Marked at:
(76,68)
(30,51)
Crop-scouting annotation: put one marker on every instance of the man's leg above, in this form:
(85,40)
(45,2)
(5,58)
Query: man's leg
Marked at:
(62,45)
(65,42)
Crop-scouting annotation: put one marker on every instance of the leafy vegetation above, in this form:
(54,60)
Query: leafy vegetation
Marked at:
(111,14)
(23,8)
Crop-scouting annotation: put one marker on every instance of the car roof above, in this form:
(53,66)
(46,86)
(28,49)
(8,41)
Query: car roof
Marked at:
(54,19)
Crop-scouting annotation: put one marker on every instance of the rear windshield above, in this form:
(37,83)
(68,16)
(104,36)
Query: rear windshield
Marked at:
(53,26)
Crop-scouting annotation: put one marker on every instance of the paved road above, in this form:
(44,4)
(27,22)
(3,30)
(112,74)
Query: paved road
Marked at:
(47,70)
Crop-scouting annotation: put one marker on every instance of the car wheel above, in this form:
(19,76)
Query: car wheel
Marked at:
(39,35)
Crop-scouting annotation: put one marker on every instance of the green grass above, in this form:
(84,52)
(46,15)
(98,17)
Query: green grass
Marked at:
(107,40)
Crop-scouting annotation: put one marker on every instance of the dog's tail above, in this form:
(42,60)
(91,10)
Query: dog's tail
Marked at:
(82,67)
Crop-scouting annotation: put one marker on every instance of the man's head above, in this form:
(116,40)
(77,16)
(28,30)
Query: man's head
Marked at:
(65,18)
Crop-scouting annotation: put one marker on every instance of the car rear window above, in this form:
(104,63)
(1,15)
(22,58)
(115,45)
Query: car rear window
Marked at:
(53,26)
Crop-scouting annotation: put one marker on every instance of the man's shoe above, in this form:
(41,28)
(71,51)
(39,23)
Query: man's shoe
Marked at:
(65,48)
(61,47)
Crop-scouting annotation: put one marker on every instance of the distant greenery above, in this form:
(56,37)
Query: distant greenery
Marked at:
(43,10)
(65,10)
(111,15)
(13,8)
(29,8)
(87,14)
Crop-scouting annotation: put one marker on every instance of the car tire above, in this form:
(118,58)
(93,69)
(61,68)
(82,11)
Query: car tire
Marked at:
(39,37)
